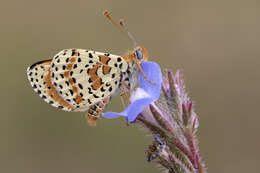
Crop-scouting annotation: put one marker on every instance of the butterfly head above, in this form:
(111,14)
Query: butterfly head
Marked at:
(141,54)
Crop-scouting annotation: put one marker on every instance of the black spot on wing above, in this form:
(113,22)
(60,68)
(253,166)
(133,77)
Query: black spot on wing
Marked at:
(80,86)
(90,90)
(73,52)
(119,59)
(89,80)
(95,96)
(113,75)
(102,89)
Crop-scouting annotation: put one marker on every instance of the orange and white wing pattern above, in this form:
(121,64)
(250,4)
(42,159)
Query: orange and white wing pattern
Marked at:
(85,77)
(40,79)
(79,80)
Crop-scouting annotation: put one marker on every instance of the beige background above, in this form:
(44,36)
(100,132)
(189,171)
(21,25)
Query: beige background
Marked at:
(215,42)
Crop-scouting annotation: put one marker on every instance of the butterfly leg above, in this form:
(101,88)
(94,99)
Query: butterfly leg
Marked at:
(124,87)
(122,100)
(140,68)
(95,111)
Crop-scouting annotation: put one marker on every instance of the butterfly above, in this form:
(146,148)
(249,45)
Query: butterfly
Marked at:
(80,80)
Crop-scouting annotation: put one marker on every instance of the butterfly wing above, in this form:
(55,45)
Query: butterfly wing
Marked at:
(84,78)
(39,77)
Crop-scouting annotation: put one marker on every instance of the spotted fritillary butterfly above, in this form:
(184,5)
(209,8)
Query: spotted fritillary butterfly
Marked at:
(85,80)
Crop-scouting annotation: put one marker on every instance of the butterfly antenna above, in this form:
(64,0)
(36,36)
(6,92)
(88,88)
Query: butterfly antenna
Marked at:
(122,29)
(123,25)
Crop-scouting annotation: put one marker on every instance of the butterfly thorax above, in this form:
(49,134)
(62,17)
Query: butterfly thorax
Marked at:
(130,76)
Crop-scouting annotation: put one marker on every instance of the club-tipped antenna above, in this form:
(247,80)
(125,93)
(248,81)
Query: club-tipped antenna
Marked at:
(123,25)
(122,29)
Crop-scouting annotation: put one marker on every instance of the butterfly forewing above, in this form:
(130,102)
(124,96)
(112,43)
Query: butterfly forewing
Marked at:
(83,77)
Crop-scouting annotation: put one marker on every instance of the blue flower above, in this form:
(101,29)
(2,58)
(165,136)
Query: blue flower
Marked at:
(145,94)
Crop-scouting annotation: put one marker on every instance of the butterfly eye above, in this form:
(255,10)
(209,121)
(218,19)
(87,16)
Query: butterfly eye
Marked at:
(139,54)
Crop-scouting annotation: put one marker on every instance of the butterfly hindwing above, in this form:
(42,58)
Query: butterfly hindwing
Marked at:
(39,77)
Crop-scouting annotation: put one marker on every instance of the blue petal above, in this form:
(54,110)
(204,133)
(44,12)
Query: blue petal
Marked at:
(136,107)
(153,73)
(113,114)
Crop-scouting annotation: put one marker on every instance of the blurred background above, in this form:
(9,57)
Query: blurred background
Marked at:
(215,43)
